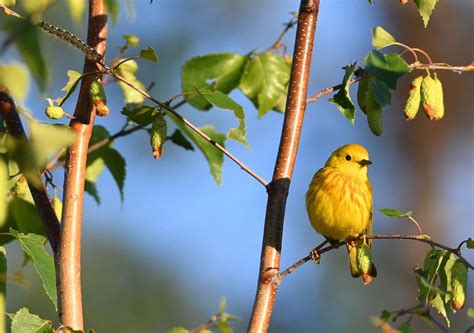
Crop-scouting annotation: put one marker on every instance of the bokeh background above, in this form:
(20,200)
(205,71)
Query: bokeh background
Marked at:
(166,255)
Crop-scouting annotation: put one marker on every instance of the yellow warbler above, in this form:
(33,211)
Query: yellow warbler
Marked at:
(339,205)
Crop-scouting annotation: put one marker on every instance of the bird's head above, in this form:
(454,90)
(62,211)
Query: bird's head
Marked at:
(350,158)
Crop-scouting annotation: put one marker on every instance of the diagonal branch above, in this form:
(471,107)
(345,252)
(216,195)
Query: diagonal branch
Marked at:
(69,258)
(279,187)
(40,195)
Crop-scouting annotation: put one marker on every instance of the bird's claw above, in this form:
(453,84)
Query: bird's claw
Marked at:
(315,256)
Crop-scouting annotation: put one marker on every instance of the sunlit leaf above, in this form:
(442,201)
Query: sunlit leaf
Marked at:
(131,40)
(219,71)
(76,9)
(3,191)
(388,68)
(265,81)
(23,321)
(390,212)
(381,38)
(33,245)
(343,99)
(425,8)
(149,54)
(128,70)
(222,101)
(14,78)
(73,79)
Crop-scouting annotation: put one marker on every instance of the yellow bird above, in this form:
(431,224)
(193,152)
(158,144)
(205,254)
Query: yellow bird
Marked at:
(339,203)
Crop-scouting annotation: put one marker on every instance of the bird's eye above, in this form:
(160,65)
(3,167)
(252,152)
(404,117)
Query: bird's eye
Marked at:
(348,157)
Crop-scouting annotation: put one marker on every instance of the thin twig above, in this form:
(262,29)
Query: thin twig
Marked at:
(333,246)
(324,92)
(203,326)
(443,66)
(413,311)
(279,40)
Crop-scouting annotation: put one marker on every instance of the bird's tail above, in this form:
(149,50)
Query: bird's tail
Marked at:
(360,261)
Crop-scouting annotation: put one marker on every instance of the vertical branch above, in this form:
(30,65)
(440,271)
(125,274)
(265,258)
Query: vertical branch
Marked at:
(69,256)
(40,195)
(279,187)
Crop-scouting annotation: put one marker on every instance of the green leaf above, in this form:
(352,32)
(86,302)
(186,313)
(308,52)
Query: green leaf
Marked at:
(442,308)
(113,8)
(214,157)
(265,81)
(224,327)
(405,326)
(76,9)
(3,286)
(142,115)
(33,245)
(25,322)
(47,139)
(179,139)
(131,40)
(425,8)
(178,330)
(386,67)
(222,101)
(381,92)
(470,244)
(445,273)
(219,71)
(128,70)
(362,94)
(470,312)
(343,99)
(222,306)
(386,315)
(35,7)
(3,191)
(73,79)
(23,217)
(14,77)
(8,2)
(390,212)
(381,38)
(27,42)
(149,54)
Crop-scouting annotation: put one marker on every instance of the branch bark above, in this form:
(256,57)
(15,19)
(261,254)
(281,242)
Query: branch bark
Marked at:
(40,195)
(69,256)
(279,187)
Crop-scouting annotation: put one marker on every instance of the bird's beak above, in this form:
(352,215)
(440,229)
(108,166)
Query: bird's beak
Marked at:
(365,162)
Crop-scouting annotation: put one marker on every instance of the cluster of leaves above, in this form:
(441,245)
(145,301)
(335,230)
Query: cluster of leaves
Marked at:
(220,321)
(378,78)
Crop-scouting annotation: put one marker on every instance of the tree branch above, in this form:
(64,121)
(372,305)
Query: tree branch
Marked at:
(69,259)
(40,195)
(421,238)
(279,187)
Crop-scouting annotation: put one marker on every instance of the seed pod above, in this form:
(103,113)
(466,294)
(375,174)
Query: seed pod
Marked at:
(413,102)
(20,187)
(101,109)
(364,263)
(97,93)
(432,98)
(57,206)
(54,112)
(458,284)
(158,133)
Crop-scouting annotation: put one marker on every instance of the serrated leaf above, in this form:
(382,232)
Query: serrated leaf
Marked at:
(386,67)
(117,167)
(390,212)
(220,71)
(149,54)
(73,80)
(14,78)
(381,38)
(178,330)
(27,42)
(3,191)
(222,101)
(76,9)
(142,115)
(343,99)
(442,308)
(214,157)
(425,8)
(128,70)
(33,245)
(113,8)
(265,81)
(25,322)
(179,139)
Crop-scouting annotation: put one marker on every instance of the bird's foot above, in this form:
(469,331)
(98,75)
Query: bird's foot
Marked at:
(315,256)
